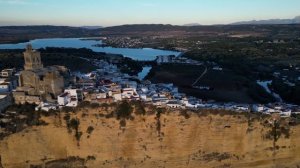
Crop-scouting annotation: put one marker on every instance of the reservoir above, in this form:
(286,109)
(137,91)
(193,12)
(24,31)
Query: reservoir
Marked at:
(143,54)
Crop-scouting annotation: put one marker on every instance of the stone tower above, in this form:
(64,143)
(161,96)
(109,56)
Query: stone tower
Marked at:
(32,59)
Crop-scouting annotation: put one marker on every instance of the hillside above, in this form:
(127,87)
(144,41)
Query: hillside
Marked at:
(295,20)
(194,31)
(15,34)
(157,139)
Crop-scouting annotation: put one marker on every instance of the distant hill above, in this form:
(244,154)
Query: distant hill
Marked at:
(92,27)
(14,34)
(295,20)
(192,24)
(211,30)
(141,28)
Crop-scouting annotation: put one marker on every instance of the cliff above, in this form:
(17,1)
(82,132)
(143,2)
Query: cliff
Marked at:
(165,139)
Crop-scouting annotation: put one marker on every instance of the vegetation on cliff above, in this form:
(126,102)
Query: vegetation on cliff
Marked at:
(208,137)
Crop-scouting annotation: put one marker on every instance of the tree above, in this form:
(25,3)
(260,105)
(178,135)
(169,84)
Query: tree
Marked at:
(90,129)
(124,110)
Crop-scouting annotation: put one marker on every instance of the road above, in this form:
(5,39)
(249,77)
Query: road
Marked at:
(198,79)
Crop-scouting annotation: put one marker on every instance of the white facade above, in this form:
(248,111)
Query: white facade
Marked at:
(258,108)
(70,97)
(46,107)
(164,59)
(101,95)
(174,104)
(286,113)
(72,104)
(129,93)
(75,93)
(117,97)
(63,99)
(7,72)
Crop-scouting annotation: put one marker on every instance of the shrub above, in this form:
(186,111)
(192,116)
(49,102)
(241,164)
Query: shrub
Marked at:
(67,109)
(139,108)
(122,123)
(84,104)
(94,105)
(91,158)
(90,129)
(74,123)
(185,114)
(124,110)
(78,135)
(104,105)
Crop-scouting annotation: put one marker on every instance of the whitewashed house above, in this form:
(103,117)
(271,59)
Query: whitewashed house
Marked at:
(286,113)
(75,94)
(130,93)
(174,104)
(46,107)
(63,99)
(161,59)
(258,108)
(70,97)
(117,97)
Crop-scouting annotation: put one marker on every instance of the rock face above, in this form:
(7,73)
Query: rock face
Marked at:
(166,140)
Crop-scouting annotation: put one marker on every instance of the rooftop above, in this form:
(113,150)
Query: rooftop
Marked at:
(3,96)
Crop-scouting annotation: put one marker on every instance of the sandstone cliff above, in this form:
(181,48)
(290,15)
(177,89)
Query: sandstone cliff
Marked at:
(170,140)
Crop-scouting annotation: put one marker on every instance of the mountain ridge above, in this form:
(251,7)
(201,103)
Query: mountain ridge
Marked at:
(295,20)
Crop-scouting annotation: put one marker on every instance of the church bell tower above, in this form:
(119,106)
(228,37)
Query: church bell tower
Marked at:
(32,59)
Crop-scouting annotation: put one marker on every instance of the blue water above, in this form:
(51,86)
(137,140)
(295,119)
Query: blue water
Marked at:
(144,72)
(136,54)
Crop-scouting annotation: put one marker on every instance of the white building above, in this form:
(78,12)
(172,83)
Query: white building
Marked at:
(174,104)
(286,113)
(165,59)
(129,93)
(7,73)
(46,107)
(117,97)
(75,94)
(63,99)
(102,95)
(258,108)
(70,98)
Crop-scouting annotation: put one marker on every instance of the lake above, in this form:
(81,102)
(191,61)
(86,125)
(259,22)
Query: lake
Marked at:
(136,54)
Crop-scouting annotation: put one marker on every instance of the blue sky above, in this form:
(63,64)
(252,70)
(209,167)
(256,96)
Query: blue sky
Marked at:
(117,12)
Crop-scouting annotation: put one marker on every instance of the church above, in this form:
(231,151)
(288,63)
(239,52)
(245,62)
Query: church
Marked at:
(38,83)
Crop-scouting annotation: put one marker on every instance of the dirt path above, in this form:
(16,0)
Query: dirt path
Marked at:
(197,80)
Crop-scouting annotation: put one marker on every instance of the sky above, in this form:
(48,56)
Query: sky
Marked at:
(119,12)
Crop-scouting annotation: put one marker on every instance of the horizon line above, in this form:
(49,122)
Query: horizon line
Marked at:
(185,24)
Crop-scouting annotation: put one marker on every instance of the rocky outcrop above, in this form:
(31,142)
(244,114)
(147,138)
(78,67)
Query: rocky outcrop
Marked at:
(170,139)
